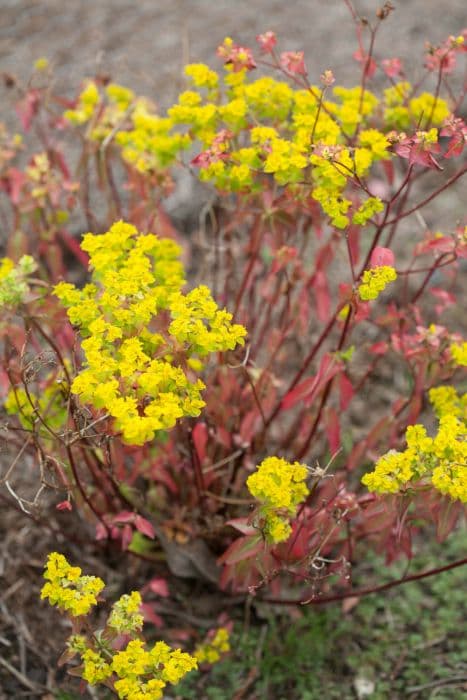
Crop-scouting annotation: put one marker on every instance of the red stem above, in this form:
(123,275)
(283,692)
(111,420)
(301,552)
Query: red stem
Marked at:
(360,592)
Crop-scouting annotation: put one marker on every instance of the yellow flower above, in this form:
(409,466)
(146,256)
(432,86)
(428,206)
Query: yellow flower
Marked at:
(125,616)
(279,486)
(67,589)
(375,280)
(137,279)
(442,460)
(366,210)
(459,353)
(212,649)
(95,668)
(201,75)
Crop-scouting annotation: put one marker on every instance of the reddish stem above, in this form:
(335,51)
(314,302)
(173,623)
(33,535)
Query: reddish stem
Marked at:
(360,592)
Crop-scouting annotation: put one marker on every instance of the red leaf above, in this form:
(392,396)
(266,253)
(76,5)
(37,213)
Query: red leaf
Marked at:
(369,65)
(4,384)
(323,299)
(299,392)
(243,548)
(101,532)
(388,167)
(346,391)
(200,438)
(332,429)
(379,348)
(159,586)
(125,516)
(446,299)
(27,108)
(353,237)
(144,526)
(64,505)
(16,180)
(447,517)
(165,227)
(392,67)
(126,537)
(307,390)
(248,426)
(150,615)
(223,437)
(242,525)
(381,257)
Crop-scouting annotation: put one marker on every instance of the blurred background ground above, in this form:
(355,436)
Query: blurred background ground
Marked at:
(144,44)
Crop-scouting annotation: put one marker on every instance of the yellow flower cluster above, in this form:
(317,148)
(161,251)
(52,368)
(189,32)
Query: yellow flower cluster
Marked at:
(459,353)
(125,616)
(148,145)
(367,209)
(401,112)
(134,672)
(95,668)
(202,76)
(280,487)
(442,460)
(298,136)
(143,674)
(86,104)
(375,280)
(142,336)
(447,402)
(103,112)
(67,589)
(211,651)
(13,280)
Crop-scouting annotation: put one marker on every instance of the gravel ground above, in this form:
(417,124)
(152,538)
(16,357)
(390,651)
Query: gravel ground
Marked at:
(144,43)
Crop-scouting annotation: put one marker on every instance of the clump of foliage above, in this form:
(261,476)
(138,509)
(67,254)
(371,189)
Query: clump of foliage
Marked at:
(215,427)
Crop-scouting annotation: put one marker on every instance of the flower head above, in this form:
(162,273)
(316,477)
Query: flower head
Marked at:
(279,486)
(267,41)
(293,62)
(67,588)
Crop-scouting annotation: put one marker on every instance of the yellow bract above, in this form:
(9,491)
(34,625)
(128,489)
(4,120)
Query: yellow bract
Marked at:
(270,128)
(459,353)
(375,280)
(211,651)
(135,320)
(135,671)
(279,486)
(67,589)
(441,459)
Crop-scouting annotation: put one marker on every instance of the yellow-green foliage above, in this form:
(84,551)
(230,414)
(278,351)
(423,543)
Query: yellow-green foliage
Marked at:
(143,336)
(441,460)
(279,486)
